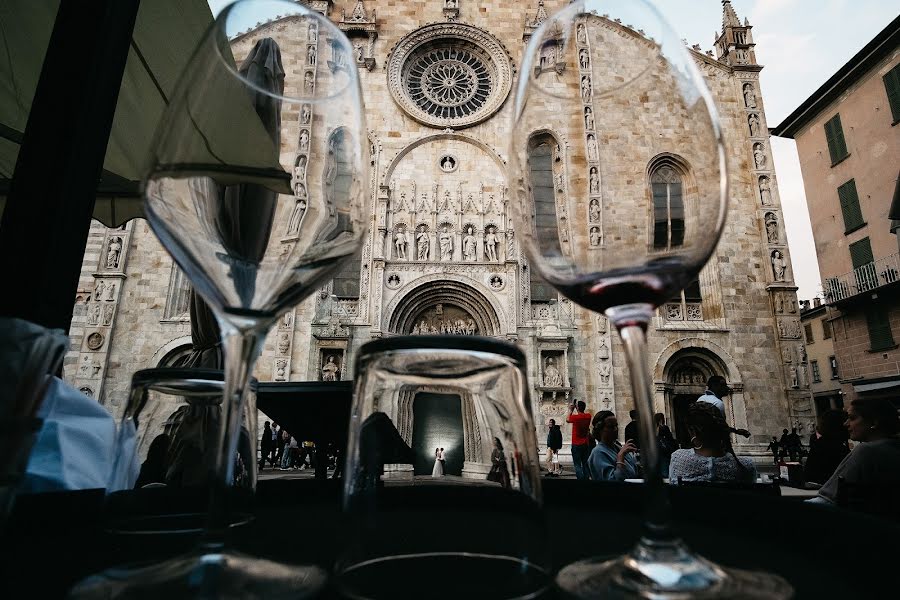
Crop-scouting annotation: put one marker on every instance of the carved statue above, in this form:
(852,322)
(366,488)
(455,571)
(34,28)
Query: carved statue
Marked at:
(448,164)
(588,118)
(296,216)
(794,381)
(490,244)
(359,52)
(446,242)
(749,96)
(759,156)
(765,191)
(451,3)
(99,288)
(801,351)
(557,153)
(469,246)
(311,55)
(754,125)
(111,292)
(779,303)
(595,181)
(595,236)
(594,211)
(581,34)
(586,88)
(400,242)
(308,82)
(305,114)
(284,343)
(300,169)
(593,149)
(94,316)
(604,374)
(280,370)
(603,350)
(772,228)
(304,139)
(779,266)
(330,370)
(583,58)
(113,252)
(510,243)
(422,245)
(470,327)
(552,378)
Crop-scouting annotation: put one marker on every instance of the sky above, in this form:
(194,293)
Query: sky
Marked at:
(800,43)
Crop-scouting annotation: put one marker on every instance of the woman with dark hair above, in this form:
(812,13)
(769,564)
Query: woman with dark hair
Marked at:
(827,446)
(609,460)
(874,422)
(499,471)
(707,460)
(155,467)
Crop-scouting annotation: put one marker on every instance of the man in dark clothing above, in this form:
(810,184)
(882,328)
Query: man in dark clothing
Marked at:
(783,444)
(265,445)
(631,430)
(554,444)
(794,445)
(581,443)
(773,447)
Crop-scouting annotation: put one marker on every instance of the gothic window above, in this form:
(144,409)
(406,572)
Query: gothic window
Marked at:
(540,165)
(346,282)
(668,206)
(178,298)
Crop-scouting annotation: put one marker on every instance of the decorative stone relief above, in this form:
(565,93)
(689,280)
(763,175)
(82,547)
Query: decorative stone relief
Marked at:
(496,282)
(331,366)
(551,376)
(596,238)
(779,266)
(400,242)
(759,155)
(470,245)
(789,328)
(95,341)
(448,163)
(771,227)
(87,391)
(754,124)
(393,281)
(284,342)
(423,243)
(749,96)
(113,252)
(490,245)
(765,191)
(594,211)
(280,371)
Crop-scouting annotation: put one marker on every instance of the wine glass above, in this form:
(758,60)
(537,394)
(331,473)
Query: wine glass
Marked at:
(614,129)
(442,483)
(254,238)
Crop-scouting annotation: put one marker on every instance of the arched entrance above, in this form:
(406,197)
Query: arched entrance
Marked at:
(444,306)
(686,374)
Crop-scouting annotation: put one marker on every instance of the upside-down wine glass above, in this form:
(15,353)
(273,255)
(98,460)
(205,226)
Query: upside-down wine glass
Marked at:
(258,188)
(614,127)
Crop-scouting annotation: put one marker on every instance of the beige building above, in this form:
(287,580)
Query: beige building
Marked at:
(823,374)
(440,181)
(848,140)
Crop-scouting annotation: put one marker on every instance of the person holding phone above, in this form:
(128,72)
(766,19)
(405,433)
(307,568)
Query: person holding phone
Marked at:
(610,460)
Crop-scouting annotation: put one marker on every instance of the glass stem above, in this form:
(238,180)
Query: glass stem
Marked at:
(632,327)
(241,346)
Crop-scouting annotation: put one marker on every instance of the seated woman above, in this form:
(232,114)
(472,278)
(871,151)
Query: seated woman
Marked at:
(712,458)
(874,422)
(609,460)
(827,446)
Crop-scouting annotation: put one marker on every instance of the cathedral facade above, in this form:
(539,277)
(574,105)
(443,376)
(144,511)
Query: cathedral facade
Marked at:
(442,255)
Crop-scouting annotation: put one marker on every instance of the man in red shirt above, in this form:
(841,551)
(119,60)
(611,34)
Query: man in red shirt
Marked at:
(581,441)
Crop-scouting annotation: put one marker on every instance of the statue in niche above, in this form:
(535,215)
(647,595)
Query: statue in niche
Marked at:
(593,149)
(340,57)
(300,168)
(779,303)
(588,118)
(595,181)
(469,245)
(331,371)
(308,82)
(358,48)
(422,245)
(305,114)
(311,54)
(296,216)
(772,228)
(107,315)
(765,191)
(448,164)
(451,3)
(792,304)
(583,59)
(446,242)
(445,202)
(586,88)
(801,352)
(400,242)
(794,381)
(753,120)
(113,252)
(304,139)
(749,96)
(779,266)
(510,243)
(287,319)
(312,32)
(581,34)
(94,314)
(110,292)
(603,350)
(594,211)
(490,244)
(552,378)
(595,236)
(99,288)
(759,156)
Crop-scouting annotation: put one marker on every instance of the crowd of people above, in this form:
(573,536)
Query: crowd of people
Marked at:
(282,451)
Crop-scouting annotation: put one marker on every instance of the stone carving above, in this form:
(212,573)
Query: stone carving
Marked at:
(94,314)
(588,118)
(284,343)
(469,245)
(448,163)
(108,314)
(400,242)
(99,288)
(300,168)
(586,88)
(593,149)
(772,228)
(753,121)
(287,320)
(308,82)
(552,378)
(560,182)
(95,341)
(510,244)
(496,282)
(789,329)
(557,153)
(87,391)
(779,303)
(305,114)
(759,155)
(794,381)
(312,32)
(446,204)
(603,350)
(604,374)
(674,312)
(113,252)
(583,59)
(602,324)
(281,369)
(424,205)
(694,312)
(445,320)
(594,211)
(296,216)
(749,96)
(490,245)
(311,55)
(423,244)
(446,244)
(792,303)
(358,52)
(393,281)
(304,139)
(779,266)
(595,181)
(801,352)
(110,292)
(471,205)
(765,191)
(595,236)
(331,370)
(581,34)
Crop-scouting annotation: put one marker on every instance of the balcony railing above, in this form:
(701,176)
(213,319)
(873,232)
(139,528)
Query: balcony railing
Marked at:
(866,278)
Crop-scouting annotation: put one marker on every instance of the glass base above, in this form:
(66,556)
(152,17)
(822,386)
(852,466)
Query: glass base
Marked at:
(221,575)
(667,571)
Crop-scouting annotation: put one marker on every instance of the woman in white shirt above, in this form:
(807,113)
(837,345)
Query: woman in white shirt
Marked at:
(712,458)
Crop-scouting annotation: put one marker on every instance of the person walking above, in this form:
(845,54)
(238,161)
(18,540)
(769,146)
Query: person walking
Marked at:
(265,444)
(554,445)
(581,443)
(773,448)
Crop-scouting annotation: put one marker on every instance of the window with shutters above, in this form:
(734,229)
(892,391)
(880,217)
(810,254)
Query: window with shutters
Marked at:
(834,136)
(826,330)
(817,377)
(879,325)
(849,199)
(863,265)
(892,86)
(540,165)
(807,329)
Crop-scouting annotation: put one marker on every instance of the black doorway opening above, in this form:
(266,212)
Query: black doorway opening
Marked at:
(437,423)
(680,404)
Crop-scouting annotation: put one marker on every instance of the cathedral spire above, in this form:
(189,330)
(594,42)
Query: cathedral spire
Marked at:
(729,17)
(734,45)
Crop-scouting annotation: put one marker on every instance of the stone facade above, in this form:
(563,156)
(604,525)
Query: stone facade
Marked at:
(443,255)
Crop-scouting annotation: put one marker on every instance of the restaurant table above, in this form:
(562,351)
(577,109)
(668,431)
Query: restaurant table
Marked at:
(54,540)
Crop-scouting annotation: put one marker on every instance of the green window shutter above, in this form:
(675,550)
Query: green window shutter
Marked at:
(849,199)
(892,85)
(861,253)
(834,135)
(879,325)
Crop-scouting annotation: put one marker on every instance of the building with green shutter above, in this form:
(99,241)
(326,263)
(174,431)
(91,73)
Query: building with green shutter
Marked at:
(848,139)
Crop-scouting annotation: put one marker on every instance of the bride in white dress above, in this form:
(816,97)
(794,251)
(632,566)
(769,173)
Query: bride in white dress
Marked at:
(438,470)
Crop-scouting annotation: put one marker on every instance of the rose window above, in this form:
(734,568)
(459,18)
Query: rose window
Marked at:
(448,82)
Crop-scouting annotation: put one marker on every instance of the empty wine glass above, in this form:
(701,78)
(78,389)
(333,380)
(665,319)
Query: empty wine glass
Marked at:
(614,129)
(442,486)
(254,238)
